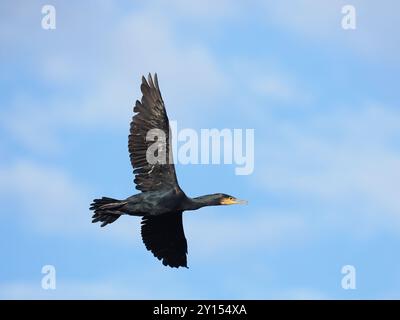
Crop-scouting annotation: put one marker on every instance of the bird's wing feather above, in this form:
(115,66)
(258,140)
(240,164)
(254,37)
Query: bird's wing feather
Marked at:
(151,114)
(163,235)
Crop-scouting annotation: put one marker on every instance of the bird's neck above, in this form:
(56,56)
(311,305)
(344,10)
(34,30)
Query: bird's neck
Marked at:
(202,201)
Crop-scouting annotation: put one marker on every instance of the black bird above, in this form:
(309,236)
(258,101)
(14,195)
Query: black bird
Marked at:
(161,201)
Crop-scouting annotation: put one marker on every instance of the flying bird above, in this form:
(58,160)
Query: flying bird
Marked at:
(161,201)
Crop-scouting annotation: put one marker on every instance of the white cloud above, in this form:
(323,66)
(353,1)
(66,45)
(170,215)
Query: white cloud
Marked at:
(32,124)
(345,160)
(320,21)
(200,10)
(47,198)
(48,201)
(309,17)
(137,287)
(70,290)
(146,42)
(279,87)
(262,232)
(301,294)
(111,290)
(268,79)
(275,87)
(102,78)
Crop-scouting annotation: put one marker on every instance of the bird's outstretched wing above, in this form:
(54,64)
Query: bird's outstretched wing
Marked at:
(163,235)
(150,115)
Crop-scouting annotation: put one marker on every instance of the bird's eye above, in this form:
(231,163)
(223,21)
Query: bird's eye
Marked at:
(230,198)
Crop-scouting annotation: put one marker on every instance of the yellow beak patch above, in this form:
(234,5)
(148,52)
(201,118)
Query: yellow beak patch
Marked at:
(231,200)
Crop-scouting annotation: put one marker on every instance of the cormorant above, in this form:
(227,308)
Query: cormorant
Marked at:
(161,201)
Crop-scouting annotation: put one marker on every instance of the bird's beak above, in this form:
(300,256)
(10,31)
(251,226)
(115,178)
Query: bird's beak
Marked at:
(238,201)
(233,201)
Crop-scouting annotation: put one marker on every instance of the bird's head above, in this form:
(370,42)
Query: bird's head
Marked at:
(215,199)
(226,199)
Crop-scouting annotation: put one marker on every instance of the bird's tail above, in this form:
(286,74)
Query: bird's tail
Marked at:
(106,210)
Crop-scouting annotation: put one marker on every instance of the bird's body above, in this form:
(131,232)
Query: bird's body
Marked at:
(161,201)
(155,202)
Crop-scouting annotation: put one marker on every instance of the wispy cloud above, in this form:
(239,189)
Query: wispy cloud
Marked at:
(320,21)
(70,290)
(200,10)
(258,232)
(279,88)
(48,201)
(52,203)
(140,42)
(324,172)
(346,160)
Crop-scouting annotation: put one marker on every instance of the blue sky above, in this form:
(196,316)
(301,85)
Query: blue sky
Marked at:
(324,105)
